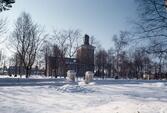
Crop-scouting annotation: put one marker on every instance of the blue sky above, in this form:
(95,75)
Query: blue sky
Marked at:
(100,18)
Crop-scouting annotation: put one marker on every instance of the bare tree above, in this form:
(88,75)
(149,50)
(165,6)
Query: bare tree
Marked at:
(152,23)
(26,39)
(157,50)
(45,52)
(17,63)
(111,62)
(2,25)
(120,42)
(68,41)
(101,62)
(59,65)
(61,40)
(141,61)
(6,4)
(152,30)
(74,37)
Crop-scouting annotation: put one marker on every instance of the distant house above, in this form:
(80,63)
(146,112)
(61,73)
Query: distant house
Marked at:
(83,62)
(14,70)
(54,68)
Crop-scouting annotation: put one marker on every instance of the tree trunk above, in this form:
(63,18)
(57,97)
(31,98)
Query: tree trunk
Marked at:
(28,71)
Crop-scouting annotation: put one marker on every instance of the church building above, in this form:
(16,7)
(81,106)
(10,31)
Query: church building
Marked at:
(83,62)
(85,57)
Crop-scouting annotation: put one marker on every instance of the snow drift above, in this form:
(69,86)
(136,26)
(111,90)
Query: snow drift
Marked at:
(74,89)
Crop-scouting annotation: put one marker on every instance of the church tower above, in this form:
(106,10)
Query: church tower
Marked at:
(85,57)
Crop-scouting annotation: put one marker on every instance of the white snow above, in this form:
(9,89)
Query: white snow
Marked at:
(100,96)
(73,89)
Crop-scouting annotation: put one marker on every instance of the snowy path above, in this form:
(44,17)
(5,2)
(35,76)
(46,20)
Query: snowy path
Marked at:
(103,97)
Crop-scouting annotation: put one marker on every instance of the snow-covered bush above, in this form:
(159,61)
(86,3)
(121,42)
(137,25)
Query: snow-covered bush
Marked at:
(71,75)
(88,77)
(148,76)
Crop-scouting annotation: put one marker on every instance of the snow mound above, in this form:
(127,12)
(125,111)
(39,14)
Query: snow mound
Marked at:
(158,84)
(83,83)
(70,82)
(37,77)
(74,89)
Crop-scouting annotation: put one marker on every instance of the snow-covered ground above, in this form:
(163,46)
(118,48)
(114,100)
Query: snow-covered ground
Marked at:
(101,96)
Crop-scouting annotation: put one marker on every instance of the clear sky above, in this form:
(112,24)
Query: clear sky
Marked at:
(100,18)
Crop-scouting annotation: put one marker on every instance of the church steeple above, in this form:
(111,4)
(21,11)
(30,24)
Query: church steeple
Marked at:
(86,39)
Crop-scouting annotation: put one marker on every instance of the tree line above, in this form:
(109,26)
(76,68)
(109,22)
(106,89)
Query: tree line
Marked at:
(143,50)
(132,53)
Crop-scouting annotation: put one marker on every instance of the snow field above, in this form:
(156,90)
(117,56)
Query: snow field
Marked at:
(100,96)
